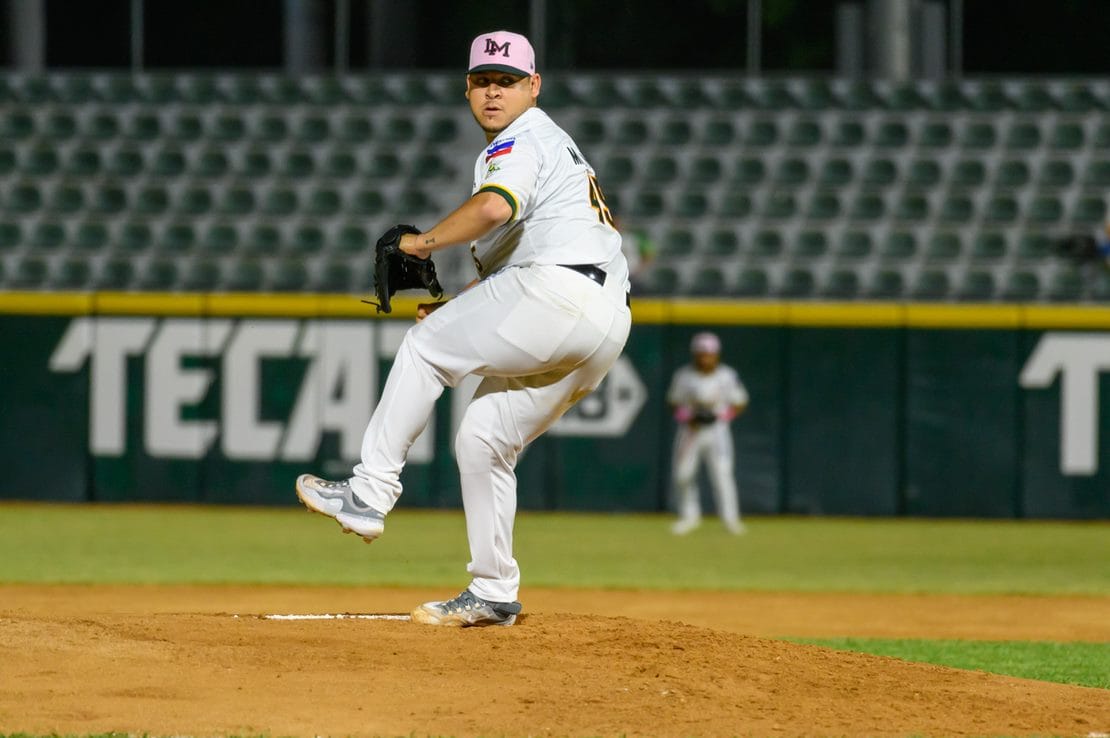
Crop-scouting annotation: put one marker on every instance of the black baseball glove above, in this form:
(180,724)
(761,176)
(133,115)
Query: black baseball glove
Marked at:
(395,270)
(703,416)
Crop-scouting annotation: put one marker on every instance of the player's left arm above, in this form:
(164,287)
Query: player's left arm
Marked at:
(470,221)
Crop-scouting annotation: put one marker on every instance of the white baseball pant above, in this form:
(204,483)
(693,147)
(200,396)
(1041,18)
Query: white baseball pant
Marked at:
(713,443)
(542,337)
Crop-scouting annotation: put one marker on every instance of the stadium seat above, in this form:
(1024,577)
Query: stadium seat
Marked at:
(749,171)
(17,126)
(30,273)
(60,126)
(762,132)
(766,244)
(176,239)
(263,239)
(880,173)
(823,206)
(804,134)
(956,209)
(245,275)
(186,127)
(1089,210)
(7,161)
(134,237)
(66,199)
(143,127)
(935,135)
(978,135)
(911,208)
(867,207)
(752,282)
(923,174)
(114,274)
(718,132)
(675,132)
(779,205)
(168,162)
(898,246)
(82,162)
(1012,174)
(723,243)
(977,285)
(773,95)
(1056,173)
(73,273)
(944,247)
(23,198)
(211,164)
(589,131)
(647,204)
(201,275)
(11,235)
(101,127)
(969,173)
(991,97)
(810,245)
(1101,138)
(677,243)
(1066,285)
(289,275)
(334,277)
(1033,97)
(835,172)
(1001,209)
(1097,174)
(40,162)
(708,281)
(312,129)
(989,246)
(848,134)
(91,237)
(797,283)
(279,201)
(220,239)
(296,164)
(661,170)
(1033,247)
(1020,286)
(949,96)
(47,236)
(228,128)
(126,163)
(1023,136)
(860,95)
(631,132)
(366,202)
(159,275)
(1067,137)
(1045,210)
(930,284)
(198,89)
(194,201)
(705,170)
(734,96)
(660,280)
(1078,98)
(150,201)
(691,204)
(734,204)
(841,284)
(854,245)
(905,96)
(791,171)
(891,134)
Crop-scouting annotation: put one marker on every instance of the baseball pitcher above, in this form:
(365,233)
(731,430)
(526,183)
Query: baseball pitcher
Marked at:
(542,325)
(705,396)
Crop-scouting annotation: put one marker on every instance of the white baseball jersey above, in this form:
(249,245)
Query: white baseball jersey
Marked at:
(714,391)
(559,214)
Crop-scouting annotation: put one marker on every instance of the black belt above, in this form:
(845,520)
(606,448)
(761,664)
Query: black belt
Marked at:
(597,275)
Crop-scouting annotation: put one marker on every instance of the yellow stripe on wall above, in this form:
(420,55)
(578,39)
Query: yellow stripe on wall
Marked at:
(644,311)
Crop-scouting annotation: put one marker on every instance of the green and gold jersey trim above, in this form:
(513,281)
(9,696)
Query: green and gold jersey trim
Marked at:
(506,193)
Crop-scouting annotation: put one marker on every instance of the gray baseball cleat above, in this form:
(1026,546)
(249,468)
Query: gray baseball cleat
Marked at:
(337,500)
(466,610)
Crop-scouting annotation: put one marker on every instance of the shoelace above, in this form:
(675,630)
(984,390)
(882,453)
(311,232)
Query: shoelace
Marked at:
(465,601)
(335,485)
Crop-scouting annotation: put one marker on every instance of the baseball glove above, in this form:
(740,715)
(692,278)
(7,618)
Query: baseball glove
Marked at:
(703,416)
(395,270)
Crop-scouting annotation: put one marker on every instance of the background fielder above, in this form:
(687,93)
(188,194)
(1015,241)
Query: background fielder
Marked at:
(705,396)
(543,325)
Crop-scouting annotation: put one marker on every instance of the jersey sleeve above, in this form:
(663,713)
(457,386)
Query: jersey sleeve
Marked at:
(511,169)
(735,391)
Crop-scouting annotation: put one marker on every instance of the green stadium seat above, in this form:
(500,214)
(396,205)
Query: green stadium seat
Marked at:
(270,129)
(245,275)
(47,236)
(905,97)
(157,89)
(762,132)
(7,162)
(557,93)
(211,164)
(949,96)
(73,273)
(169,162)
(705,170)
(835,173)
(817,94)
(1078,98)
(867,207)
(956,209)
(1097,173)
(412,201)
(398,130)
(841,284)
(1001,209)
(749,172)
(1056,173)
(1035,98)
(243,89)
(17,126)
(860,95)
(66,199)
(114,274)
(351,240)
(647,204)
(848,134)
(1066,285)
(109,199)
(752,282)
(880,173)
(198,90)
(854,245)
(734,204)
(1089,210)
(236,200)
(823,205)
(660,280)
(976,285)
(792,171)
(734,96)
(675,132)
(691,204)
(143,127)
(11,235)
(150,201)
(228,128)
(723,243)
(289,275)
(898,246)
(82,162)
(199,201)
(677,242)
(23,198)
(366,203)
(1023,136)
(370,91)
(1020,286)
(428,165)
(589,131)
(708,281)
(383,166)
(935,135)
(134,238)
(126,163)
(201,275)
(119,89)
(690,97)
(661,170)
(1033,247)
(40,162)
(991,97)
(308,240)
(989,246)
(774,95)
(254,164)
(718,132)
(279,201)
(804,134)
(312,129)
(30,273)
(797,283)
(911,208)
(264,240)
(931,284)
(220,239)
(779,205)
(324,202)
(810,245)
(766,245)
(1067,137)
(442,131)
(297,164)
(176,239)
(159,275)
(1012,174)
(892,134)
(334,278)
(923,174)
(968,173)
(944,247)
(60,126)
(101,127)
(1045,210)
(340,164)
(978,135)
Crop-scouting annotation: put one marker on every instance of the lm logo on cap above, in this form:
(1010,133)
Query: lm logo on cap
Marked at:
(492,47)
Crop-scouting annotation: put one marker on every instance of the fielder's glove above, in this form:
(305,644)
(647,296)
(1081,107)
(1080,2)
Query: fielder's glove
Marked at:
(395,270)
(703,416)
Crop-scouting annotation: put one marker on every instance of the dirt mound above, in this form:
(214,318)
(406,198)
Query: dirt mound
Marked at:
(552,674)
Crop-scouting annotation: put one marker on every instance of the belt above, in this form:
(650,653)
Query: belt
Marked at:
(597,275)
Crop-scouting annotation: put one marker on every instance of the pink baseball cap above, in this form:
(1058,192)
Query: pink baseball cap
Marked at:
(502,51)
(705,343)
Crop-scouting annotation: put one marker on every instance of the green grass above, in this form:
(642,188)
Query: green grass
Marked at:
(194,544)
(1083,664)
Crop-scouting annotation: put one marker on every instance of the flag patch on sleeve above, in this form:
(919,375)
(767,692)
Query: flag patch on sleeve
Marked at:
(500,149)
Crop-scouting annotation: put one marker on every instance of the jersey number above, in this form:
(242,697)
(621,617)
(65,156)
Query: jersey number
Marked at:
(597,202)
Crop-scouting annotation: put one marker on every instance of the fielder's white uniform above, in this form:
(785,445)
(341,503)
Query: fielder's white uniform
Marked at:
(541,335)
(717,391)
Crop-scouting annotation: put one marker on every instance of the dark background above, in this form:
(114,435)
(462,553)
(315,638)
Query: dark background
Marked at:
(1015,36)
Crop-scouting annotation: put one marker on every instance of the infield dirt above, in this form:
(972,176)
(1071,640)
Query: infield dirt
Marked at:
(175,661)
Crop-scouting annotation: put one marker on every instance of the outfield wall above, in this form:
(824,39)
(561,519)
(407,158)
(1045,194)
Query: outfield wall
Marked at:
(860,409)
